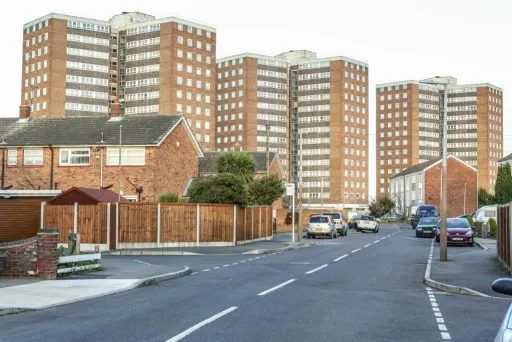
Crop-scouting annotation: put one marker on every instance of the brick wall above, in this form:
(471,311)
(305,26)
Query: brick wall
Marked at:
(33,257)
(459,174)
(167,168)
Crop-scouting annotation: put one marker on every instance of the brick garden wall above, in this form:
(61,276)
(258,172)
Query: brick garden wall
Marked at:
(32,257)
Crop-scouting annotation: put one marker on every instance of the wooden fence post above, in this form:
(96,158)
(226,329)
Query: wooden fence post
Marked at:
(117,225)
(108,226)
(198,223)
(75,218)
(259,235)
(234,225)
(43,204)
(158,224)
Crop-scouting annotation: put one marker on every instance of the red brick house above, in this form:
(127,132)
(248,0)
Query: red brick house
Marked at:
(208,167)
(421,184)
(159,153)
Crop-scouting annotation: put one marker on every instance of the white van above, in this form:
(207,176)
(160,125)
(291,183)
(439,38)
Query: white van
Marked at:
(483,214)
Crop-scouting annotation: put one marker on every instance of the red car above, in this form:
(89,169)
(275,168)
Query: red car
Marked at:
(459,232)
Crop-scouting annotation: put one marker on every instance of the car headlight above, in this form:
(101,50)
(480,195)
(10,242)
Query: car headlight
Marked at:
(469,233)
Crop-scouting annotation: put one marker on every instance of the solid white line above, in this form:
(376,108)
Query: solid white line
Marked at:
(276,287)
(368,245)
(356,250)
(206,270)
(142,262)
(316,269)
(201,324)
(341,257)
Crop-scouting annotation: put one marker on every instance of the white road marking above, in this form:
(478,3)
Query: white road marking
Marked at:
(242,261)
(206,270)
(341,257)
(235,263)
(251,259)
(142,262)
(194,273)
(216,267)
(356,250)
(201,324)
(316,269)
(257,257)
(368,245)
(376,241)
(276,287)
(225,265)
(441,324)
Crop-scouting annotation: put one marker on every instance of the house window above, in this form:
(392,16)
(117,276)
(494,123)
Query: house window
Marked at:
(12,157)
(33,157)
(74,157)
(129,156)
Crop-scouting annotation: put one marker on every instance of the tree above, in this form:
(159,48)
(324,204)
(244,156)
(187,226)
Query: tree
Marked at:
(503,187)
(224,188)
(381,206)
(265,190)
(485,198)
(238,163)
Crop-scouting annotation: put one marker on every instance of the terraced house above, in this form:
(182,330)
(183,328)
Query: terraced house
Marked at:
(76,66)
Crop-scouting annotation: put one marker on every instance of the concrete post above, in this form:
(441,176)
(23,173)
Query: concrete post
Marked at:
(158,223)
(108,226)
(75,218)
(198,223)
(43,204)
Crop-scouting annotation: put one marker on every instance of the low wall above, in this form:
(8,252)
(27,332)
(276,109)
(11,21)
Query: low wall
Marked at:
(32,257)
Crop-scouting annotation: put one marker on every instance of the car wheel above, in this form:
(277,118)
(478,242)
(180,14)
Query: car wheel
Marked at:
(375,231)
(437,240)
(472,244)
(308,236)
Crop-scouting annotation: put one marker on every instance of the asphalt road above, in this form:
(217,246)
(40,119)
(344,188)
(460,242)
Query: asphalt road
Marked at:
(364,287)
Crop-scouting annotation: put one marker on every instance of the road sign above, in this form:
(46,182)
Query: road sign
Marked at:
(290,189)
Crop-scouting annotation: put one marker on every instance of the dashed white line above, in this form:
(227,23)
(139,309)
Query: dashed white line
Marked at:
(206,270)
(356,250)
(376,241)
(446,336)
(276,287)
(225,265)
(194,273)
(201,324)
(316,269)
(142,262)
(368,245)
(216,267)
(250,259)
(341,257)
(242,261)
(235,263)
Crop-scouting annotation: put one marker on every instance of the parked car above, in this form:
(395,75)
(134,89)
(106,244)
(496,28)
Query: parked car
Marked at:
(458,231)
(391,217)
(352,223)
(339,223)
(367,222)
(321,225)
(504,286)
(427,226)
(423,211)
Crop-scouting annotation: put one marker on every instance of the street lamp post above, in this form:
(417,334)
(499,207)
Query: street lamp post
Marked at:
(299,226)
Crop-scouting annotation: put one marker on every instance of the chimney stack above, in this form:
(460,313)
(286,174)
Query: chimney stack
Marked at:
(24,110)
(115,109)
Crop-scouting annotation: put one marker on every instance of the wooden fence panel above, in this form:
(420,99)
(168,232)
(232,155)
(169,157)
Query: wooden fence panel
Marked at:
(241,230)
(503,243)
(138,222)
(20,218)
(92,223)
(178,223)
(216,223)
(60,217)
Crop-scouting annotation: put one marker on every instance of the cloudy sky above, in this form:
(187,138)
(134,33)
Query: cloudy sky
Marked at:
(400,39)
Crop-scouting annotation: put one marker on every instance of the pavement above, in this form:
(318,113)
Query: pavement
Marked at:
(468,268)
(364,287)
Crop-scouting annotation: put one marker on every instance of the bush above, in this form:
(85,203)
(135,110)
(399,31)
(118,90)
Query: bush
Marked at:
(470,220)
(170,197)
(225,188)
(265,190)
(493,228)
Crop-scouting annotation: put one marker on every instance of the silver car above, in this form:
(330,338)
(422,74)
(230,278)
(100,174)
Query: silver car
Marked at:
(321,225)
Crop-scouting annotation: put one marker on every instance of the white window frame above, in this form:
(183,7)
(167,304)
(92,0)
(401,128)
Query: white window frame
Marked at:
(40,155)
(113,156)
(10,157)
(71,157)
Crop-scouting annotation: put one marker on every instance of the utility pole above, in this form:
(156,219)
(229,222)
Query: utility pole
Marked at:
(299,226)
(119,175)
(465,198)
(444,196)
(268,148)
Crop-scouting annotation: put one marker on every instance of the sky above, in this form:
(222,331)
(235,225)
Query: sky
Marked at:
(400,39)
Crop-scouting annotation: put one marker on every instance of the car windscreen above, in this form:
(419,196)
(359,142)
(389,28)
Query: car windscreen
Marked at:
(334,216)
(458,223)
(357,217)
(429,213)
(367,218)
(425,221)
(319,219)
